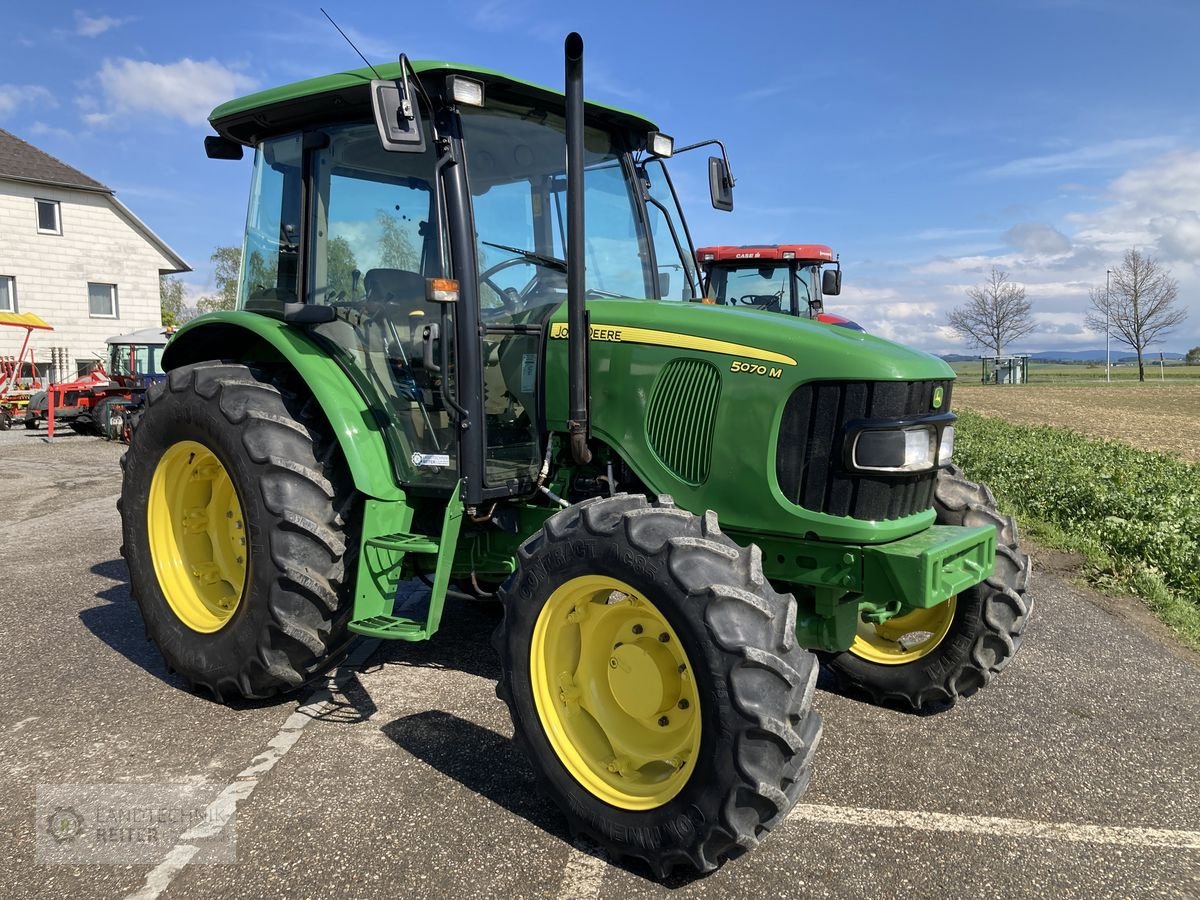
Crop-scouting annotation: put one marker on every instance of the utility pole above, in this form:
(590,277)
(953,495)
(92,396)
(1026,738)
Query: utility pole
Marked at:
(1107,332)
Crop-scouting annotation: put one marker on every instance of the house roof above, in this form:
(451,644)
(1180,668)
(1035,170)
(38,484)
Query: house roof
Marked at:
(21,161)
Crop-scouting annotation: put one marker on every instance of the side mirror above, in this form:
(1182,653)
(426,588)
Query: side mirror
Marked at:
(396,117)
(720,185)
(217,147)
(664,285)
(831,282)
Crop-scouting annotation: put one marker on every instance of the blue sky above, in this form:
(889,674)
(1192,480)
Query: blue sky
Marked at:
(924,141)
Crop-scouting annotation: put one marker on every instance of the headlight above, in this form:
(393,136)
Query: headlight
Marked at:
(946,447)
(895,450)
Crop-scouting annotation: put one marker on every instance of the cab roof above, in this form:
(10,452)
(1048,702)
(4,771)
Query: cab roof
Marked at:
(346,95)
(725,252)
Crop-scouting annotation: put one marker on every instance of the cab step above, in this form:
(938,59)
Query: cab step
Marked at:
(393,628)
(379,567)
(404,543)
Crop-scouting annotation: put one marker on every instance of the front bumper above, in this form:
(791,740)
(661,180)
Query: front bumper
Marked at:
(836,583)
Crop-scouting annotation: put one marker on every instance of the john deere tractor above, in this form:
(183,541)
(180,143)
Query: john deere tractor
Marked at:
(458,356)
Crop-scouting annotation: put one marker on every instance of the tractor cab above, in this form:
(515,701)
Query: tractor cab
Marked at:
(135,359)
(428,251)
(781,278)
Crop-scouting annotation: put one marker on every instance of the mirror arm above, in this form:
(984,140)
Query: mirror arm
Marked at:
(710,141)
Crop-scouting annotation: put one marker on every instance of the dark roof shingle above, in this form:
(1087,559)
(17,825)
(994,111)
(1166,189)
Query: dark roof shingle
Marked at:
(22,161)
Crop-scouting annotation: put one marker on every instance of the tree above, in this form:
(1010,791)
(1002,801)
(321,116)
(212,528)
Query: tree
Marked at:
(339,266)
(1193,357)
(227,266)
(395,246)
(1138,307)
(995,314)
(170,296)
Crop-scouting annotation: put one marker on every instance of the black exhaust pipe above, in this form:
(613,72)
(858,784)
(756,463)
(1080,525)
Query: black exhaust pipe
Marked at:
(577,327)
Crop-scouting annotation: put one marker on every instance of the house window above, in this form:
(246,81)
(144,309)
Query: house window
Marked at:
(102,301)
(8,293)
(48,221)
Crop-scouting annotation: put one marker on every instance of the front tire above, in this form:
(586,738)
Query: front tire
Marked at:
(236,516)
(655,682)
(932,657)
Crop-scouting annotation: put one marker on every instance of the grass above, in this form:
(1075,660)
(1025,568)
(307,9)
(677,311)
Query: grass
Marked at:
(1134,515)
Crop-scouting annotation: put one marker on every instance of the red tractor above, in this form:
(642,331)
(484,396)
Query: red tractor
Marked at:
(105,401)
(782,278)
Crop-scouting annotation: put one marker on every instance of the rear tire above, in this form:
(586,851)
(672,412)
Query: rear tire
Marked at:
(747,761)
(987,625)
(300,518)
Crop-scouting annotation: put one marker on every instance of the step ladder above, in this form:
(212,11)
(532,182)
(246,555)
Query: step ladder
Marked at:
(379,573)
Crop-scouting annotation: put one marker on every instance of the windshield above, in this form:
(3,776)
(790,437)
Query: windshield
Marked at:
(763,287)
(515,166)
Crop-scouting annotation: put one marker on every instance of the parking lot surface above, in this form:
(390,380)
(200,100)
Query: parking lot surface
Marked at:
(1075,774)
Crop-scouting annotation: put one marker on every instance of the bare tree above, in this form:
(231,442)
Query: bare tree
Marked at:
(995,314)
(1138,306)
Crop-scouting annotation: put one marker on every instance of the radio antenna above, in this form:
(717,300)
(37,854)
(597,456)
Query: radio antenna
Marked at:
(351,43)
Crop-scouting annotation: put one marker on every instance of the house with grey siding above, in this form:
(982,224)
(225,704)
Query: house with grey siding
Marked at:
(73,253)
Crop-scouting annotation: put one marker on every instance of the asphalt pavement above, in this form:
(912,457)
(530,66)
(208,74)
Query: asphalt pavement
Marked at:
(1075,774)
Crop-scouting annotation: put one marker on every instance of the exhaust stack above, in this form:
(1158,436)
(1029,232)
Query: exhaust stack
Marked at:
(577,326)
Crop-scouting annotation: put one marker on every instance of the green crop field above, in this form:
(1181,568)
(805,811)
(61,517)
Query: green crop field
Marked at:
(1133,514)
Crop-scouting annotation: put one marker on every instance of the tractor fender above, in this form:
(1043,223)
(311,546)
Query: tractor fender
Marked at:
(252,338)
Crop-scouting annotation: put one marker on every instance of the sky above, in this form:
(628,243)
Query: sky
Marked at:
(924,141)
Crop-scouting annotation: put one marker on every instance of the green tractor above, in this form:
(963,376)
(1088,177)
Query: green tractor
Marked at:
(454,357)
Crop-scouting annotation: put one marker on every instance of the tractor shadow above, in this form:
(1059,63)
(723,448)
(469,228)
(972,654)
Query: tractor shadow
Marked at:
(828,682)
(463,643)
(118,623)
(456,747)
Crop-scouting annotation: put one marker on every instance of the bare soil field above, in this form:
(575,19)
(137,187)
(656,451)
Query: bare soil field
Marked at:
(1151,416)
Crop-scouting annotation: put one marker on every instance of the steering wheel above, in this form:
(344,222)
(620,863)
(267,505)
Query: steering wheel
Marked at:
(511,297)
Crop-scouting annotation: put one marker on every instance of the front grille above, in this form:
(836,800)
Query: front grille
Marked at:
(681,416)
(808,458)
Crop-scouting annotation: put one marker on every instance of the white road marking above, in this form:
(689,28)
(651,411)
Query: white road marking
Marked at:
(221,810)
(583,875)
(805,813)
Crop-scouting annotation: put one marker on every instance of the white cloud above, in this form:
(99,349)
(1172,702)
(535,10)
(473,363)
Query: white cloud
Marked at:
(41,129)
(1106,154)
(14,96)
(187,90)
(1038,239)
(94,26)
(1154,205)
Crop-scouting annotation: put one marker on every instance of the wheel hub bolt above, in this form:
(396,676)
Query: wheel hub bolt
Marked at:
(682,668)
(612,662)
(637,629)
(683,704)
(664,721)
(664,637)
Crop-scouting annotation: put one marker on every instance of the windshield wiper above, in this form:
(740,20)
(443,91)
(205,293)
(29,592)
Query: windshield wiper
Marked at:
(550,262)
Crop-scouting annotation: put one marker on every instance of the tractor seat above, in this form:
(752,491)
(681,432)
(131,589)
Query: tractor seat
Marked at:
(403,288)
(402,296)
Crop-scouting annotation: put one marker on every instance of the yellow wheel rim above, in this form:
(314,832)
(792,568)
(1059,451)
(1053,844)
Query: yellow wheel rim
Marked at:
(905,638)
(197,536)
(615,693)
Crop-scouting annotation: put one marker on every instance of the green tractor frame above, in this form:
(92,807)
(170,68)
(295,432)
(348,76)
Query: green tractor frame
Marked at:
(457,357)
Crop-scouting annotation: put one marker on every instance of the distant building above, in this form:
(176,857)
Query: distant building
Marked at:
(1005,369)
(71,252)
